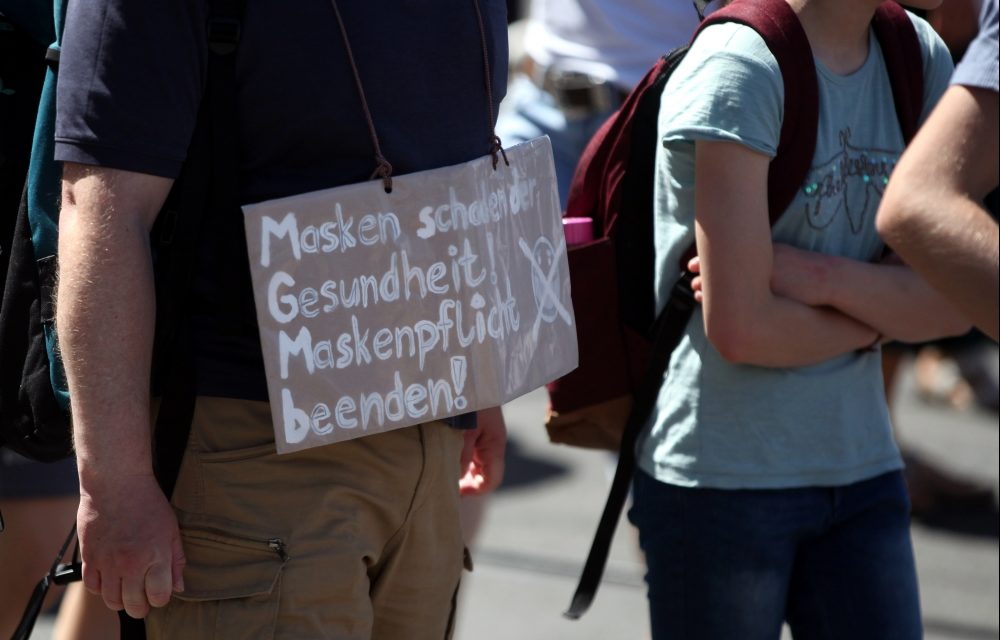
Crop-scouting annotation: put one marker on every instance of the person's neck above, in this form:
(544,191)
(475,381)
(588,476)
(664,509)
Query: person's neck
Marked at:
(837,30)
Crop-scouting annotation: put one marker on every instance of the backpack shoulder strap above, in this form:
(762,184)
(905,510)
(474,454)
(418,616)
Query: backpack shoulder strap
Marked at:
(208,178)
(590,187)
(904,61)
(613,185)
(207,182)
(781,30)
(44,174)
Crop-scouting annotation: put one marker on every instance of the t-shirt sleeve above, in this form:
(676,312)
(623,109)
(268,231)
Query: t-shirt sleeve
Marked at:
(938,66)
(727,88)
(131,78)
(980,67)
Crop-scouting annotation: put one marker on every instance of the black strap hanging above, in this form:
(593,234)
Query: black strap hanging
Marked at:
(60,573)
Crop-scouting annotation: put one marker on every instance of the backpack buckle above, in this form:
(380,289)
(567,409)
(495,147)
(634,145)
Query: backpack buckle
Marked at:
(682,295)
(52,57)
(67,573)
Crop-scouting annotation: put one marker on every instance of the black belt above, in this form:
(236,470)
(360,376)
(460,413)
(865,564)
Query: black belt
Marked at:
(577,94)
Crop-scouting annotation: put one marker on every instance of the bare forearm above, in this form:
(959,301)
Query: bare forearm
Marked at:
(892,298)
(785,333)
(129,539)
(105,319)
(930,214)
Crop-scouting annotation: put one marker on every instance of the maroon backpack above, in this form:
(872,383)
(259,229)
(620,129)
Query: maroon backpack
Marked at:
(624,346)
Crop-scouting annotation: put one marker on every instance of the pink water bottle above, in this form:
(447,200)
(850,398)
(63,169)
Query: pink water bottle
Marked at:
(578,230)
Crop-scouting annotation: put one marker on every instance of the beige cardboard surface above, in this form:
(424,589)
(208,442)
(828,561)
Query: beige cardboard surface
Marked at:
(382,310)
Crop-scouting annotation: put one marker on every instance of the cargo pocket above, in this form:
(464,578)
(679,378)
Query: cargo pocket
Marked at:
(231,586)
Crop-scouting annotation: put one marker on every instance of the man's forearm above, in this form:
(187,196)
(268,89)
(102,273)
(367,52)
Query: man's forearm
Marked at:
(931,213)
(129,539)
(105,310)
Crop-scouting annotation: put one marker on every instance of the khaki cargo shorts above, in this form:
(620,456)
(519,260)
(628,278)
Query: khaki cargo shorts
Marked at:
(359,539)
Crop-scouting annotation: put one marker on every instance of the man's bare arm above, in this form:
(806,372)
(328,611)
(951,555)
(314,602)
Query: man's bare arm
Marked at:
(931,213)
(105,309)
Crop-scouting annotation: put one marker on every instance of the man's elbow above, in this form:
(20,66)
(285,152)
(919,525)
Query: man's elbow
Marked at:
(91,192)
(907,211)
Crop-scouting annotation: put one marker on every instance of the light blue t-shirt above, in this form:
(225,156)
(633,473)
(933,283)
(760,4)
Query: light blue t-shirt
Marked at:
(730,426)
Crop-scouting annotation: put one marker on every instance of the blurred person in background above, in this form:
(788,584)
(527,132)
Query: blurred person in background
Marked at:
(38,502)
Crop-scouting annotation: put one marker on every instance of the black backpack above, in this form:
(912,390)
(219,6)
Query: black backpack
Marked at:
(33,398)
(34,401)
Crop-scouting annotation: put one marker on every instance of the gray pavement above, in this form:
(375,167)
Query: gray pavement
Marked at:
(537,529)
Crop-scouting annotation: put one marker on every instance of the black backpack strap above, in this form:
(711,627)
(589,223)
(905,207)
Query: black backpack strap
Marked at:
(781,30)
(668,331)
(634,252)
(207,182)
(60,573)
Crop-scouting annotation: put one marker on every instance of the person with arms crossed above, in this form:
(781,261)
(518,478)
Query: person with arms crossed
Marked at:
(769,487)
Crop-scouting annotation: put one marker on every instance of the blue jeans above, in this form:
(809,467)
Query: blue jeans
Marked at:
(834,562)
(528,112)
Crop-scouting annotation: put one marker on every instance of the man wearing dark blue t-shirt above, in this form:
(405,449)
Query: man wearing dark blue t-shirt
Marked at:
(359,539)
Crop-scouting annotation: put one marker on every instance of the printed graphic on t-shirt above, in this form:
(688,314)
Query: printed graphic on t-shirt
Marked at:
(850,184)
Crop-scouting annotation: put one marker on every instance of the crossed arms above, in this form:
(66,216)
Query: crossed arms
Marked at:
(777,306)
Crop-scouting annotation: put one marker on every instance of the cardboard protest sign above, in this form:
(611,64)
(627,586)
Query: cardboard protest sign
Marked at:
(383,310)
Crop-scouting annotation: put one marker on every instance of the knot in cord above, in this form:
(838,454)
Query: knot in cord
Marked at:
(384,171)
(496,150)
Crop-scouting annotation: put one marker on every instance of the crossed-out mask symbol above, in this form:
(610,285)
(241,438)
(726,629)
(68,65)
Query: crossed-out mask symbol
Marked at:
(545,283)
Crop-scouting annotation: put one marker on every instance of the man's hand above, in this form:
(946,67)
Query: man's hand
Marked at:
(483,454)
(131,546)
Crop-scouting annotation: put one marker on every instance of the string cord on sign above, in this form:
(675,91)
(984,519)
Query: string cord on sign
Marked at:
(383,168)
